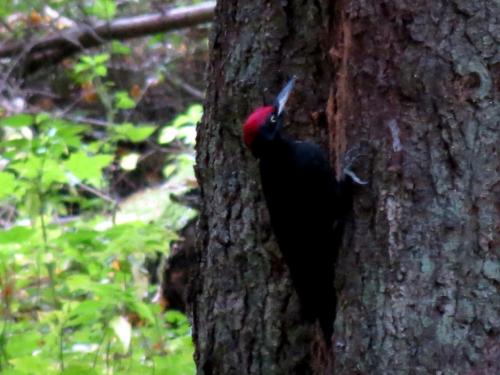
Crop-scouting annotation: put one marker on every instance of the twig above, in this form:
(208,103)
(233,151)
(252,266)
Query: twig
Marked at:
(187,88)
(97,193)
(90,121)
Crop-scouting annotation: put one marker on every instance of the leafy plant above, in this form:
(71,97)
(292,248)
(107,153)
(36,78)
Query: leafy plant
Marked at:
(181,133)
(74,297)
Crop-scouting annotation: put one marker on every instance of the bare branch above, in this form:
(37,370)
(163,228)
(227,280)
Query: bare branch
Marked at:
(97,193)
(187,88)
(53,49)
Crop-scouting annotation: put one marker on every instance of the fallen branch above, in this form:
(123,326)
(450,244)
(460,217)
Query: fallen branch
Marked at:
(52,49)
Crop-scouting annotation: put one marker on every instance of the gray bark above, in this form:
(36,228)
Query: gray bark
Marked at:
(417,84)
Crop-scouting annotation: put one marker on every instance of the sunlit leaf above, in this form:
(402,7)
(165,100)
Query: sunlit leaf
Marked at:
(123,330)
(134,133)
(53,172)
(123,100)
(188,134)
(87,312)
(103,57)
(23,343)
(17,121)
(7,184)
(169,170)
(30,167)
(42,117)
(129,162)
(183,126)
(30,364)
(167,135)
(105,9)
(88,168)
(101,71)
(78,282)
(191,117)
(15,235)
(76,369)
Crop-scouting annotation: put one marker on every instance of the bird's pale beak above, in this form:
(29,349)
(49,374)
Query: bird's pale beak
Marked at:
(283,96)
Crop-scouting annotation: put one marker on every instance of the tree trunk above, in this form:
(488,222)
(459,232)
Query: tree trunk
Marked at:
(417,85)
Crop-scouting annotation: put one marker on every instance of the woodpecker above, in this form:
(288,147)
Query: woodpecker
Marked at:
(307,208)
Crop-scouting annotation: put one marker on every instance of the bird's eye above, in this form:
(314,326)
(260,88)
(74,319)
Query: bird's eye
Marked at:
(273,118)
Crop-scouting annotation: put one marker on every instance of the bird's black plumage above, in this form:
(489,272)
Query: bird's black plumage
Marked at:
(307,206)
(302,196)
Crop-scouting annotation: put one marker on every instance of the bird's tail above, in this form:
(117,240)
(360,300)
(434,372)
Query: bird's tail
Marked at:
(316,292)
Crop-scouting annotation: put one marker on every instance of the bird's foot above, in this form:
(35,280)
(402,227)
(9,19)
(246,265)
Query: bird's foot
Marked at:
(350,158)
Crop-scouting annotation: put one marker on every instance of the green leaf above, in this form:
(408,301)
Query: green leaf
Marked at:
(88,168)
(183,126)
(86,313)
(134,133)
(105,9)
(31,365)
(175,317)
(100,58)
(52,172)
(42,117)
(6,8)
(123,100)
(78,282)
(17,121)
(178,363)
(78,369)
(30,168)
(15,235)
(7,184)
(101,71)
(191,117)
(167,135)
(23,343)
(120,48)
(195,112)
(169,170)
(144,311)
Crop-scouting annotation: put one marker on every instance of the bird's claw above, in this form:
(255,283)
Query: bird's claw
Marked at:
(350,157)
(354,177)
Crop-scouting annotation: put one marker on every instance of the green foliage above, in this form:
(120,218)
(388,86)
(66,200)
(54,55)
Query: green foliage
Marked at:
(74,297)
(104,9)
(91,67)
(17,121)
(181,131)
(183,126)
(119,48)
(133,133)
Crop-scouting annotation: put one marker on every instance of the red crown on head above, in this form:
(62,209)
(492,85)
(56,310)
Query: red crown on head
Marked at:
(254,122)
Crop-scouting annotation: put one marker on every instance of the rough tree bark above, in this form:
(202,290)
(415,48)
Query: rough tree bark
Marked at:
(417,83)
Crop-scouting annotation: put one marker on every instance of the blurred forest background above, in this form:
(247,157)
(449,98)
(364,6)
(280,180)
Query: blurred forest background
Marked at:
(96,185)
